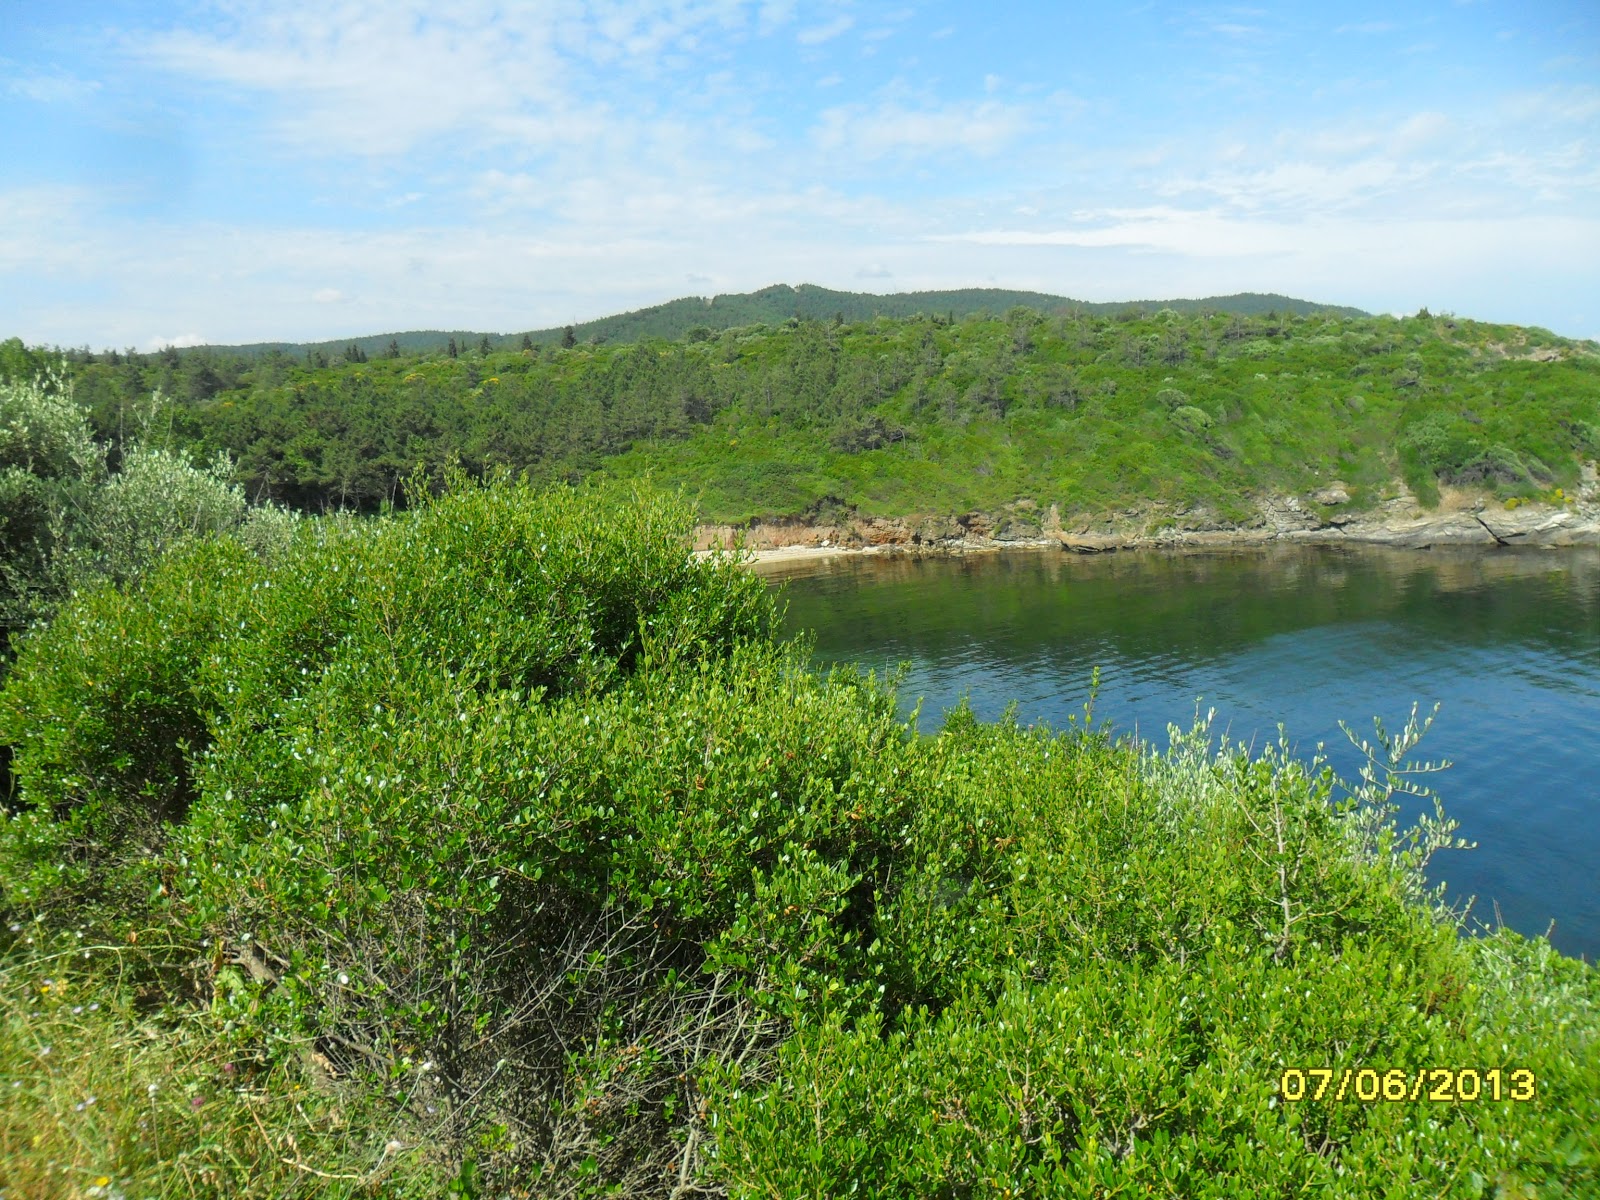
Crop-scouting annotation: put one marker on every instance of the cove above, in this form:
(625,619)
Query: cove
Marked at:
(1506,642)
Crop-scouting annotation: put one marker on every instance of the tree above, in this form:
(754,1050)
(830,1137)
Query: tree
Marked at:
(201,381)
(394,349)
(483,345)
(527,341)
(451,349)
(569,339)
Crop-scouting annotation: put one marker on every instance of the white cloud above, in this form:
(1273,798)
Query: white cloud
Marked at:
(346,77)
(815,35)
(1309,187)
(180,342)
(648,248)
(45,228)
(968,127)
(1571,102)
(520,165)
(47,87)
(1326,246)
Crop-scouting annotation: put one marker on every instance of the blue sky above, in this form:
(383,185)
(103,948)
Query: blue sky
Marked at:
(247,170)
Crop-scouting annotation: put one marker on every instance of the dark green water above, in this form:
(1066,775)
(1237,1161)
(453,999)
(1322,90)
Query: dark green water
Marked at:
(1507,643)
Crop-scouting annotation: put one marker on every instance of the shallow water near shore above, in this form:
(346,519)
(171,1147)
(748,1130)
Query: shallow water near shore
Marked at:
(1507,642)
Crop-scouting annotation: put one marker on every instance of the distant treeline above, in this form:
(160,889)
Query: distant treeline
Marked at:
(893,415)
(692,315)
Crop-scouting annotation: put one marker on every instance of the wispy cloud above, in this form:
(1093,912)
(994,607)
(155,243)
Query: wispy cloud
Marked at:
(496,166)
(52,86)
(346,78)
(815,35)
(874,131)
(1568,103)
(178,341)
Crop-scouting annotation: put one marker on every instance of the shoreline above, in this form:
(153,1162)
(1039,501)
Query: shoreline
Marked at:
(1461,520)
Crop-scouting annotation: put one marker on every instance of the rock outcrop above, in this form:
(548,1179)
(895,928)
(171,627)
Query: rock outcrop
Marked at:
(1322,517)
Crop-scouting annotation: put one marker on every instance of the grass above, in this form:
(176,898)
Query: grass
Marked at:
(114,1087)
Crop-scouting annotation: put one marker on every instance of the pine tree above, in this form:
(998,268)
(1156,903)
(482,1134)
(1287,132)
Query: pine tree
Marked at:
(568,338)
(451,348)
(527,341)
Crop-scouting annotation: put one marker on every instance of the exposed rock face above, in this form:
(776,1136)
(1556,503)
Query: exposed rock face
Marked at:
(1333,494)
(1462,518)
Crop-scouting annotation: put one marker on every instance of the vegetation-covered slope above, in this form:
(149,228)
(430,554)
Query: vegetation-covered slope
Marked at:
(895,416)
(773,305)
(498,848)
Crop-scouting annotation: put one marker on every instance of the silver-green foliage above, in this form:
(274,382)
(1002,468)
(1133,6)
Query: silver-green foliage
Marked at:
(68,521)
(50,465)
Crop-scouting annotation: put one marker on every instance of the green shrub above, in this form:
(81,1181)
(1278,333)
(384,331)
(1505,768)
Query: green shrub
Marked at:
(1193,421)
(105,718)
(1118,975)
(515,818)
(49,468)
(1171,398)
(67,522)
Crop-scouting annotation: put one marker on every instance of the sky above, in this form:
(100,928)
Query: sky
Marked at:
(226,171)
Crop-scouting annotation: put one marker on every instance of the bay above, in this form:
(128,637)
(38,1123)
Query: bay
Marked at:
(1506,642)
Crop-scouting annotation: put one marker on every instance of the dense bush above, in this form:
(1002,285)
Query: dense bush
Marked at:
(49,465)
(509,817)
(70,519)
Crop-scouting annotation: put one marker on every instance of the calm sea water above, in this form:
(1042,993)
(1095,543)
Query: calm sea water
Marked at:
(1506,642)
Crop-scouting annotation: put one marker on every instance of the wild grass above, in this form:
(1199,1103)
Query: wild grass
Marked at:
(114,1086)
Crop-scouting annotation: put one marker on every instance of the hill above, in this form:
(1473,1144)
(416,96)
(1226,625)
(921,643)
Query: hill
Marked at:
(895,417)
(773,305)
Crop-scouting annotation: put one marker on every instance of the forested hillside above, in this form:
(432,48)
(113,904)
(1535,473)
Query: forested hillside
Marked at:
(892,416)
(773,305)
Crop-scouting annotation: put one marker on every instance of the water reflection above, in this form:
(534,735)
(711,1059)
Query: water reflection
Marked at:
(1507,642)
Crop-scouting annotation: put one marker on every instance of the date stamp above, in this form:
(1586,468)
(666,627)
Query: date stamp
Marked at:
(1396,1085)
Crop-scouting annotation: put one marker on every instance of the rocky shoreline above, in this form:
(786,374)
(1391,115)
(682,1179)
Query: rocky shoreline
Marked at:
(1462,518)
